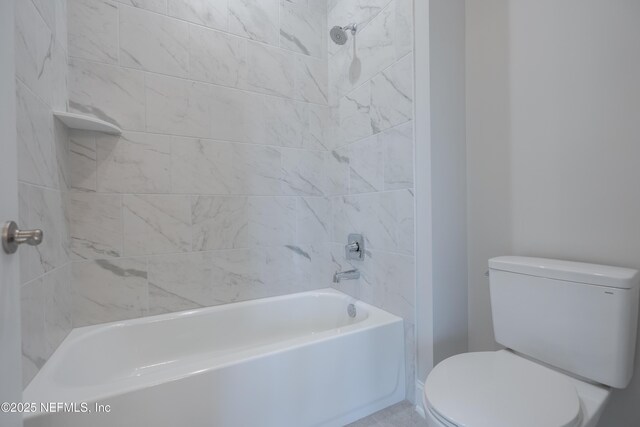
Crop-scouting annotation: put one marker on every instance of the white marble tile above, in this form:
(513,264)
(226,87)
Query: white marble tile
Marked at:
(45,211)
(392,95)
(271,221)
(255,19)
(29,371)
(219,222)
(373,215)
(359,12)
(312,80)
(410,353)
(313,222)
(96,225)
(355,114)
(62,23)
(59,82)
(366,166)
(186,276)
(47,10)
(406,220)
(61,153)
(202,166)
(398,161)
(215,57)
(376,42)
(294,124)
(303,172)
(343,73)
(162,301)
(395,286)
(177,107)
(109,290)
(273,268)
(211,167)
(83,160)
(268,70)
(155,224)
(93,30)
(134,163)
(236,115)
(302,29)
(35,132)
(404,27)
(333,132)
(256,170)
(57,306)
(34,46)
(113,94)
(210,13)
(338,171)
(153,42)
(34,342)
(237,275)
(159,6)
(312,266)
(30,266)
(373,51)
(284,122)
(314,136)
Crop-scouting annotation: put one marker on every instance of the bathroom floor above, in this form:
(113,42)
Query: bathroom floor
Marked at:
(401,414)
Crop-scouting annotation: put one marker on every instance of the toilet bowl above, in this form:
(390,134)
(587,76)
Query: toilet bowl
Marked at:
(570,333)
(503,389)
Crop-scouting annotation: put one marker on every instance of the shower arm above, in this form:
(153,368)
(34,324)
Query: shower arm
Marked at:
(351,27)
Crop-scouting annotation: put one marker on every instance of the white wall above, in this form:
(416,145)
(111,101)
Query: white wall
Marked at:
(553,156)
(448,177)
(488,156)
(441,285)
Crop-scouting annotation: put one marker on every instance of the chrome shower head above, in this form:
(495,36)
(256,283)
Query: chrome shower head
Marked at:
(339,34)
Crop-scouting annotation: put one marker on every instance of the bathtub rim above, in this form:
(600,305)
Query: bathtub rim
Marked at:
(44,387)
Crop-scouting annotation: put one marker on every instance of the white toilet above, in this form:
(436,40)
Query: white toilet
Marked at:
(570,333)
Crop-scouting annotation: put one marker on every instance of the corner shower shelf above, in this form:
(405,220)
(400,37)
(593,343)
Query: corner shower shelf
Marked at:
(84,122)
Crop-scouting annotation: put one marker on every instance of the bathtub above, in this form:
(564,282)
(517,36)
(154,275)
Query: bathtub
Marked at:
(294,360)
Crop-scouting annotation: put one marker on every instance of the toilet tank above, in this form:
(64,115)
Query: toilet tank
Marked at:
(578,317)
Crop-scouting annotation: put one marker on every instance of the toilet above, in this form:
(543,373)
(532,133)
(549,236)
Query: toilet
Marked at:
(569,330)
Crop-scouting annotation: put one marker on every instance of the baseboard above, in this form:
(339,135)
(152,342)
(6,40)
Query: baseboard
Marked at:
(420,399)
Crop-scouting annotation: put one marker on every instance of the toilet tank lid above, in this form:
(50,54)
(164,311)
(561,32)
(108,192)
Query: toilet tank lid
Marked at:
(579,272)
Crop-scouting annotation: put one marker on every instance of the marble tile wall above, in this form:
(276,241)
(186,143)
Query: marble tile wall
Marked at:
(45,270)
(370,166)
(217,189)
(251,147)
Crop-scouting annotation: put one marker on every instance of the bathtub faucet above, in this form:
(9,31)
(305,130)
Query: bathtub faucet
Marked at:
(346,275)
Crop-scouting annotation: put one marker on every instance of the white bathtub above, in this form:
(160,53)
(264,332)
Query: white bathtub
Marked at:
(295,360)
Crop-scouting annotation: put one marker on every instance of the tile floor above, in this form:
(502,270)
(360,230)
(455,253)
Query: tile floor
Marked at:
(402,414)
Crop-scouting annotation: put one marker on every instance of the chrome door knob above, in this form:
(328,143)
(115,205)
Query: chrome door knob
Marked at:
(12,237)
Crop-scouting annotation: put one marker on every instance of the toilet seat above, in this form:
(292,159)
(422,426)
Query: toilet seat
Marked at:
(500,389)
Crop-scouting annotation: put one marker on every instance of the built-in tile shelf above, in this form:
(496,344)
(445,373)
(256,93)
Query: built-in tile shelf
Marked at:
(84,122)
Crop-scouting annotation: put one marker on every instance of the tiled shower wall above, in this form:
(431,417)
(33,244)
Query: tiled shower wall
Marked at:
(216,191)
(371,100)
(251,147)
(41,86)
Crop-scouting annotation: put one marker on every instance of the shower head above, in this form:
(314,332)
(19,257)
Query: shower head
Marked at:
(339,34)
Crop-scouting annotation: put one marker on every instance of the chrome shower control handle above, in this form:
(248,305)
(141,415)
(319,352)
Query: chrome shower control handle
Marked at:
(12,237)
(354,249)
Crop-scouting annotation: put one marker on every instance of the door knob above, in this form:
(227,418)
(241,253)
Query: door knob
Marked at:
(12,237)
